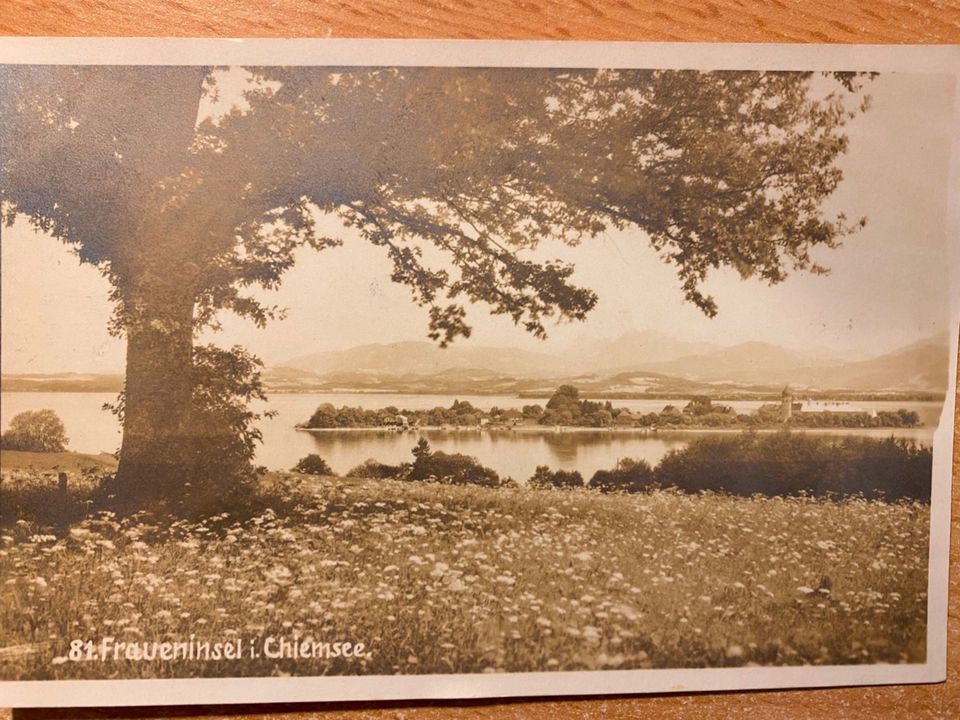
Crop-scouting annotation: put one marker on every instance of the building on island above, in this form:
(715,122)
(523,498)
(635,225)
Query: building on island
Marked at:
(787,404)
(787,409)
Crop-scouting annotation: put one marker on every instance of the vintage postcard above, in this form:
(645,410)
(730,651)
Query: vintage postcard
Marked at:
(415,369)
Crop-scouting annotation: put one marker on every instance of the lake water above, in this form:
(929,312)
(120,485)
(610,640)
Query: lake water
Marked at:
(513,453)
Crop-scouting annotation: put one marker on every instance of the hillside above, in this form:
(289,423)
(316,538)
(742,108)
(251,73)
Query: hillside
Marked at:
(62,382)
(424,358)
(923,366)
(633,350)
(642,363)
(751,362)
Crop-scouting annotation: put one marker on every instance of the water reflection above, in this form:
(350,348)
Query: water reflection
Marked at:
(517,453)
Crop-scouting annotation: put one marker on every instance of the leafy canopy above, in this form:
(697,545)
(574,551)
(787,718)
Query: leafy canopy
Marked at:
(481,165)
(35,431)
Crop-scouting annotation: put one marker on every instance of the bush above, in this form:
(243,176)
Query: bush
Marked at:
(631,476)
(35,431)
(795,463)
(222,436)
(544,477)
(451,468)
(214,452)
(375,470)
(313,464)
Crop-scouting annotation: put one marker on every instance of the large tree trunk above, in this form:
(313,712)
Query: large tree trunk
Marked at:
(155,456)
(155,287)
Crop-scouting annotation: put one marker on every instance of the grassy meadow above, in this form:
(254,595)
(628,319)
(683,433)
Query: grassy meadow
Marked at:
(436,578)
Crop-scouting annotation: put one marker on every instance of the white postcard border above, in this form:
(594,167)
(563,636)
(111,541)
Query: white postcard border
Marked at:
(494,53)
(477,53)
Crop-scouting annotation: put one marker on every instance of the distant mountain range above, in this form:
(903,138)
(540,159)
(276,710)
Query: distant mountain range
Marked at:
(633,350)
(639,363)
(923,366)
(62,382)
(630,352)
(425,358)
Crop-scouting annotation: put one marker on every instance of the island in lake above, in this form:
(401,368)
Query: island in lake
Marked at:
(566,408)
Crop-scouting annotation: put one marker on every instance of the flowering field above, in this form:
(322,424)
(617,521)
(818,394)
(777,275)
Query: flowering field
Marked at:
(436,579)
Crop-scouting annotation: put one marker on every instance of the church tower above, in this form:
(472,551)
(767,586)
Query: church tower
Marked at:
(786,404)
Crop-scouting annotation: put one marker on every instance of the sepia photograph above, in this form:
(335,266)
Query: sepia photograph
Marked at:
(404,373)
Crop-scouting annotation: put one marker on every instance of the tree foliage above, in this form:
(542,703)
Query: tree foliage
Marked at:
(718,168)
(544,477)
(453,468)
(796,463)
(376,470)
(313,464)
(35,431)
(631,476)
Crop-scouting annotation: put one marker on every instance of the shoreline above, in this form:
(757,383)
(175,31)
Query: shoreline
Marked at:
(567,429)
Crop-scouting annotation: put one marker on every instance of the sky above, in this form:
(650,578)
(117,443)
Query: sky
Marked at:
(888,285)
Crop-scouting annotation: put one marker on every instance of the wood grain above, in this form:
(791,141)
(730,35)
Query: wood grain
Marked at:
(876,21)
(860,21)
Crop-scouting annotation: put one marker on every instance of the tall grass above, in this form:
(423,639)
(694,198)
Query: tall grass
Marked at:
(437,578)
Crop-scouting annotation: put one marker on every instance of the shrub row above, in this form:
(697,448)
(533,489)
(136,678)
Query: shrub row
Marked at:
(773,464)
(749,463)
(452,468)
(795,463)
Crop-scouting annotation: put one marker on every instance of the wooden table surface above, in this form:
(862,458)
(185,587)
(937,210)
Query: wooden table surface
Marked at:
(834,21)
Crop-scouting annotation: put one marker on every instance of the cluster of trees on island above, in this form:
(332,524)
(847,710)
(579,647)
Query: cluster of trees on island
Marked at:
(775,464)
(567,408)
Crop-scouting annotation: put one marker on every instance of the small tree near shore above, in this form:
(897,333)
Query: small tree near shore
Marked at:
(544,477)
(313,464)
(629,476)
(35,431)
